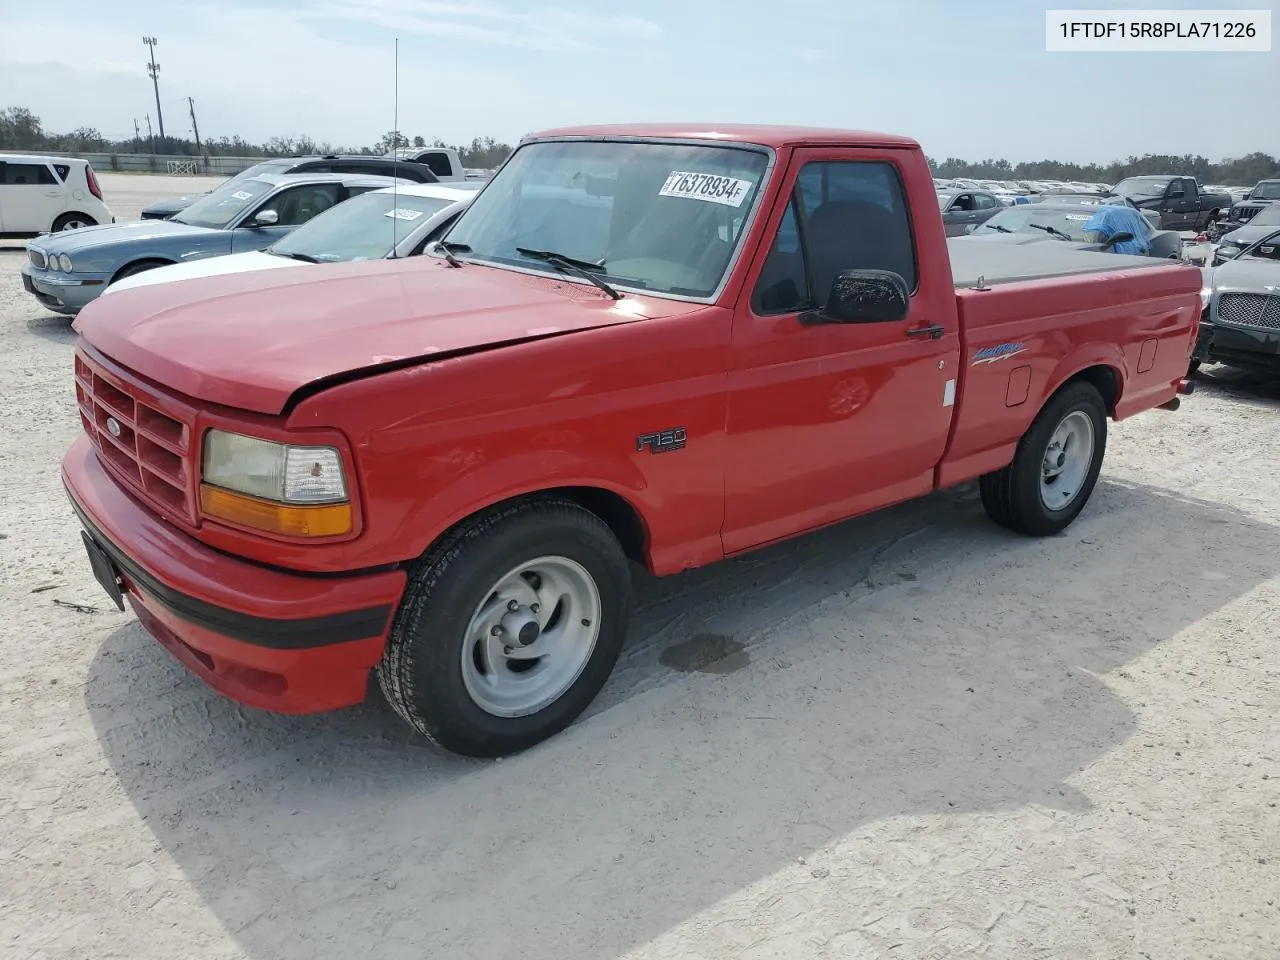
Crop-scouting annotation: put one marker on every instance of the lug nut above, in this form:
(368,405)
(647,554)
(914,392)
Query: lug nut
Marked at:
(496,630)
(508,650)
(513,605)
(533,607)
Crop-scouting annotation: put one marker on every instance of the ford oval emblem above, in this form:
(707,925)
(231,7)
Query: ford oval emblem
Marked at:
(113,426)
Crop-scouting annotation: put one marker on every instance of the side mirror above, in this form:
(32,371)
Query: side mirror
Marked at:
(863,296)
(1115,238)
(970,228)
(265,218)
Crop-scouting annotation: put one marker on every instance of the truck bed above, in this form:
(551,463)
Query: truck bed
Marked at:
(998,263)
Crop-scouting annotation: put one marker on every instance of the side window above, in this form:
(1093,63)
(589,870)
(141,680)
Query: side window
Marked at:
(299,204)
(28,174)
(437,163)
(843,215)
(62,170)
(963,202)
(783,286)
(1176,188)
(983,201)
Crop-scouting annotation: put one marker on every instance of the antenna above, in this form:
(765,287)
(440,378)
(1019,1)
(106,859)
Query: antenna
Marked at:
(395,147)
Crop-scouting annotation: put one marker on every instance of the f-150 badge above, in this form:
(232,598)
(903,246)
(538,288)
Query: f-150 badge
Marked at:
(999,352)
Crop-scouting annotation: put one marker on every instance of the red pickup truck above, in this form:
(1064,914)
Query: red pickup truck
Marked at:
(652,344)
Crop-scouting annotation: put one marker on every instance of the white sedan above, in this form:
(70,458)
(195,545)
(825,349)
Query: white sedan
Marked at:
(398,222)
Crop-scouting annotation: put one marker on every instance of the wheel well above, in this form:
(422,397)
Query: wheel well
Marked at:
(620,516)
(1104,379)
(69,214)
(157,261)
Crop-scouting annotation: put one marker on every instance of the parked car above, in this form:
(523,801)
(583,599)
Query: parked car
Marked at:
(1100,227)
(1262,225)
(1180,201)
(388,222)
(963,208)
(332,163)
(1097,199)
(65,271)
(438,468)
(1241,323)
(48,195)
(1263,195)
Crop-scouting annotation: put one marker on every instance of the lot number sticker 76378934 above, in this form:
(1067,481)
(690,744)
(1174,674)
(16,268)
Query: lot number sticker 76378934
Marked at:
(729,191)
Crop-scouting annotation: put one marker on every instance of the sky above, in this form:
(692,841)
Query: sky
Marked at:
(966,78)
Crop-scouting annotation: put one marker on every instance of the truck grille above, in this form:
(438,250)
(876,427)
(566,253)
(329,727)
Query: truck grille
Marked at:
(142,439)
(1245,213)
(37,258)
(1250,310)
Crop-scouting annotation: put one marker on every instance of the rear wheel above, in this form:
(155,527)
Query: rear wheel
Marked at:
(1055,468)
(73,221)
(508,628)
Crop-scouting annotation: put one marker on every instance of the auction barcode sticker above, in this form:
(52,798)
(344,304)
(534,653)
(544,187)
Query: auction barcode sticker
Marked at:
(703,186)
(1153,31)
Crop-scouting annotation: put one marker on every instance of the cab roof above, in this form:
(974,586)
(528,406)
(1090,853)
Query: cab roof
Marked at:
(768,135)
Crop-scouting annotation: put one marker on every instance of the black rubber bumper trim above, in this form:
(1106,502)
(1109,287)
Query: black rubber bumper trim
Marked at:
(301,634)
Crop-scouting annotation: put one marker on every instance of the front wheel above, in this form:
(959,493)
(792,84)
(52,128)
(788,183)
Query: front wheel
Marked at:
(508,628)
(1055,468)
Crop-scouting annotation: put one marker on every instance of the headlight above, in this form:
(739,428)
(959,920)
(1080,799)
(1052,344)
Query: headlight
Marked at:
(1205,294)
(64,263)
(282,488)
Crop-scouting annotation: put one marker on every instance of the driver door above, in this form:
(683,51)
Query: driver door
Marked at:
(293,205)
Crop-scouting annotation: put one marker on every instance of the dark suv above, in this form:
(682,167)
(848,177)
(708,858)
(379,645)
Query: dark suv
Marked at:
(333,163)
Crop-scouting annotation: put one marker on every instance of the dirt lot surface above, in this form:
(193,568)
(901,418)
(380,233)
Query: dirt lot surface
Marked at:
(912,736)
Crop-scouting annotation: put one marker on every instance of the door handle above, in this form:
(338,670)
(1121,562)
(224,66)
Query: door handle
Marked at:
(934,332)
(52,193)
(972,216)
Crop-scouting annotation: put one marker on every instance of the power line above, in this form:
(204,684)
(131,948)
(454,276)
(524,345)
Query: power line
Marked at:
(153,70)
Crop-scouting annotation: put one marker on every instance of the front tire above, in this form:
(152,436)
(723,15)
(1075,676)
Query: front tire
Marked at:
(1055,468)
(508,628)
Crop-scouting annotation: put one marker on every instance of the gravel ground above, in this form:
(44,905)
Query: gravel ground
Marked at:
(912,736)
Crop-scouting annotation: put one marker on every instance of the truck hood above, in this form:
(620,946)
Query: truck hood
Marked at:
(85,239)
(251,340)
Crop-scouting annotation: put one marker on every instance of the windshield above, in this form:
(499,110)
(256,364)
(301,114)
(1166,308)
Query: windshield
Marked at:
(361,228)
(1020,219)
(662,218)
(1142,187)
(267,166)
(218,209)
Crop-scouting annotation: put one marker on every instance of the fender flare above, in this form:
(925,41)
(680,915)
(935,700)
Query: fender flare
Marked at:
(471,492)
(1088,356)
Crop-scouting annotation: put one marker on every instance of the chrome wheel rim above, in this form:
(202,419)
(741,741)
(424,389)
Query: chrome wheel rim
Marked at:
(531,637)
(1066,461)
(73,225)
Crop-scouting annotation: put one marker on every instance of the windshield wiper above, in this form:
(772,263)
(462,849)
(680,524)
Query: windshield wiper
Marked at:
(583,268)
(997,227)
(444,251)
(1052,231)
(304,257)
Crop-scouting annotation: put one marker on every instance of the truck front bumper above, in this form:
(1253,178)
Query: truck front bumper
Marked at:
(267,638)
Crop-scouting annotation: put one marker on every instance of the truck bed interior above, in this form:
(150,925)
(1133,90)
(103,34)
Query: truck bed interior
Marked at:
(998,263)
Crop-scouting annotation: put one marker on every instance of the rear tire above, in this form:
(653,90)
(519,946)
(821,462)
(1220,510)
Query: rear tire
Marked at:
(482,678)
(1055,468)
(73,221)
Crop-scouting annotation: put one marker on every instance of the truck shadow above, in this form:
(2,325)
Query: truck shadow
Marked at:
(915,662)
(1258,389)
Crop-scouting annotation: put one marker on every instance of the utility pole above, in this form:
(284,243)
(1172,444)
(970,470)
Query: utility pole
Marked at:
(137,134)
(191,105)
(153,70)
(151,136)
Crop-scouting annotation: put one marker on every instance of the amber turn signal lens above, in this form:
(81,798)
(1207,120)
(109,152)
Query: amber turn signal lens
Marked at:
(290,520)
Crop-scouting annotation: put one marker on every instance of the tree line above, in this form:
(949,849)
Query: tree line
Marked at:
(20,129)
